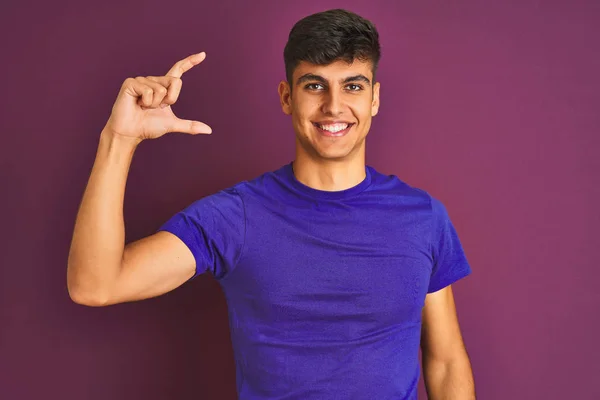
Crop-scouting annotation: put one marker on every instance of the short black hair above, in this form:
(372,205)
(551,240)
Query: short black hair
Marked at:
(329,36)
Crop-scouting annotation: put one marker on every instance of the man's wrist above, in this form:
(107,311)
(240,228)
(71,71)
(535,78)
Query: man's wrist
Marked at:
(117,147)
(117,140)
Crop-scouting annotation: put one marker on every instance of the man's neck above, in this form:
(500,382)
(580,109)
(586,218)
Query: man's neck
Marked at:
(329,175)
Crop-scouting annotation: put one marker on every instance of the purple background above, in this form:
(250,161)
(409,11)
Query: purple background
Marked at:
(493,108)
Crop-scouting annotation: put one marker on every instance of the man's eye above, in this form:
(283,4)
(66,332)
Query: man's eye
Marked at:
(314,86)
(354,88)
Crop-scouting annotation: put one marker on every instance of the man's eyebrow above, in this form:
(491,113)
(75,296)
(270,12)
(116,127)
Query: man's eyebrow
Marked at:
(355,78)
(319,78)
(310,77)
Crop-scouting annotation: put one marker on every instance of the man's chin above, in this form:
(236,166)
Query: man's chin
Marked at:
(335,154)
(339,152)
(333,151)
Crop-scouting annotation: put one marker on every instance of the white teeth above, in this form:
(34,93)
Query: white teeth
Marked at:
(334,127)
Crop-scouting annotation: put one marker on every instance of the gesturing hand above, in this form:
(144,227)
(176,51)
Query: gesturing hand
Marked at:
(142,109)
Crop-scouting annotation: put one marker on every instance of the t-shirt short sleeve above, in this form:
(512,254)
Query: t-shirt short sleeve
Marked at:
(213,228)
(449,261)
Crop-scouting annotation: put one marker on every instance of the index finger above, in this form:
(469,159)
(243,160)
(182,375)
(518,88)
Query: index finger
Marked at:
(186,64)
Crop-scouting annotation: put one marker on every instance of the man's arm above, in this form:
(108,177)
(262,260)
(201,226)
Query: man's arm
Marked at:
(446,367)
(101,270)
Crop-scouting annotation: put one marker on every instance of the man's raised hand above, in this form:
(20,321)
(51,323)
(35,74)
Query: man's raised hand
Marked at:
(142,109)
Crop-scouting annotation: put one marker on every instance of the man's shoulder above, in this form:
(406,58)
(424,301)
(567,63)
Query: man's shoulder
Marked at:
(262,182)
(394,185)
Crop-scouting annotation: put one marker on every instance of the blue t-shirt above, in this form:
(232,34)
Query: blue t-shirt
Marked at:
(324,289)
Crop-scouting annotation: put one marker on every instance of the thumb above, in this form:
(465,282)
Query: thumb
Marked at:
(189,126)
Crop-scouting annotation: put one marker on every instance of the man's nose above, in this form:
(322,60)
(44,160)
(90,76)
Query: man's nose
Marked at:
(332,103)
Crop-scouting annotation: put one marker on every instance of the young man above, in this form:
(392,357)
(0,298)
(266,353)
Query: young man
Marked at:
(334,273)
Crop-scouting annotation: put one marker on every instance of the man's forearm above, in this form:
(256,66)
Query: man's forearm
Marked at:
(99,234)
(452,380)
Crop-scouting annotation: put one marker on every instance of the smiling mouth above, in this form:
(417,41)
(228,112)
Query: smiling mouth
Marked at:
(333,130)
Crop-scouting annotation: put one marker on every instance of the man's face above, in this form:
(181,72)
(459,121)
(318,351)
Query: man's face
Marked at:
(331,108)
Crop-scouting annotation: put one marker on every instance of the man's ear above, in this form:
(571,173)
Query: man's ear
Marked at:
(285,97)
(375,103)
